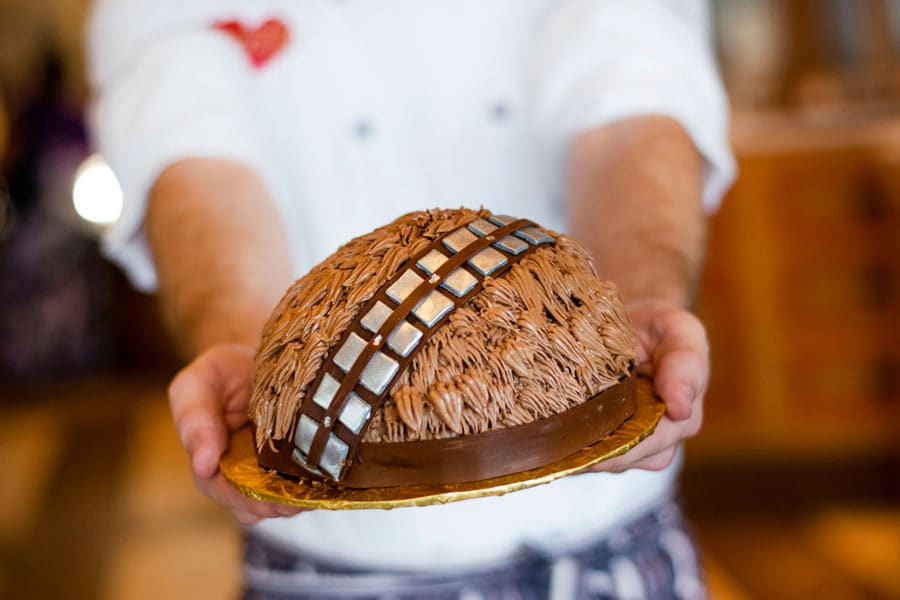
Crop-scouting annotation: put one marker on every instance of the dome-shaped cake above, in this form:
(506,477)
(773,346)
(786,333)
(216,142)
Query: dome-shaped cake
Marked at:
(447,346)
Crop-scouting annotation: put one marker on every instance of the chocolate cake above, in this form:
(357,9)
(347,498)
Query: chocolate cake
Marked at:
(447,346)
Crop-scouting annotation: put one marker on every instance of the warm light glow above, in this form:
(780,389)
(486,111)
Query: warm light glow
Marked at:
(96,193)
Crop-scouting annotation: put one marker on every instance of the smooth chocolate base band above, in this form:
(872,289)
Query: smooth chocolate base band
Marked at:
(484,455)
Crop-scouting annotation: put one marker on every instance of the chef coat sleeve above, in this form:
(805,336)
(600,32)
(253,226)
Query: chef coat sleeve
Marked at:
(164,89)
(599,61)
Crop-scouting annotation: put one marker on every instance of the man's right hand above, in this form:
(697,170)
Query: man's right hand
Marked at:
(209,399)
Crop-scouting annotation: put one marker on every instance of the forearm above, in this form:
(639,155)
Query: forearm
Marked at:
(635,200)
(220,253)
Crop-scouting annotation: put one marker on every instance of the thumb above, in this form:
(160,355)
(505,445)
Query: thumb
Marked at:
(197,412)
(209,449)
(681,362)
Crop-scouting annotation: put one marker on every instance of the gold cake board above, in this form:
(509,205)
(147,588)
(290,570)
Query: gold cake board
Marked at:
(239,467)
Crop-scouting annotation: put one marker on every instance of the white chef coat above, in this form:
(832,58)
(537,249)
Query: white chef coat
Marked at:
(367,110)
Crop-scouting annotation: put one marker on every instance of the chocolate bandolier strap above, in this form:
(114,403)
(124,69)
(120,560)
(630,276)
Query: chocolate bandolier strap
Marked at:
(405,312)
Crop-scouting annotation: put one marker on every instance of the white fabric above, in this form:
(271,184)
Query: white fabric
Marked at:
(378,108)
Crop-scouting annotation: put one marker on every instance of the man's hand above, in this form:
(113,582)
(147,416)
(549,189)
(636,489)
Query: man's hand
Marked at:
(635,200)
(223,261)
(675,352)
(209,401)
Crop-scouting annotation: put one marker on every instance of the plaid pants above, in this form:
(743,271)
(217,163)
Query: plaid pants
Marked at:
(653,557)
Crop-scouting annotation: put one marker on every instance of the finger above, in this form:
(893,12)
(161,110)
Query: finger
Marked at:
(680,381)
(245,518)
(223,493)
(654,462)
(249,518)
(197,412)
(681,363)
(219,490)
(642,314)
(658,461)
(662,437)
(231,366)
(657,451)
(666,436)
(290,511)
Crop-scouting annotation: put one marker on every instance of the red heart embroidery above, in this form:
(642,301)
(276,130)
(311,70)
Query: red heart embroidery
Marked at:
(261,43)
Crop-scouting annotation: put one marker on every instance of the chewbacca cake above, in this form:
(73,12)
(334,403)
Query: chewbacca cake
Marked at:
(448,346)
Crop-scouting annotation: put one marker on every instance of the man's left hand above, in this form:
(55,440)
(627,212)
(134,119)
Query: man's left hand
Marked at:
(674,350)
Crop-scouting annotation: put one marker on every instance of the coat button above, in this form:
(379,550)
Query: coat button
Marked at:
(363,130)
(499,111)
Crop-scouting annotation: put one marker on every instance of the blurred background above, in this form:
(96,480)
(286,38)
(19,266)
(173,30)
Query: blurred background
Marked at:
(794,484)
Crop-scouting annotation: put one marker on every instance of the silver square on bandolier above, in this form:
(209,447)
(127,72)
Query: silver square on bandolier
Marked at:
(501,220)
(481,227)
(376,316)
(355,413)
(533,235)
(487,261)
(460,282)
(432,261)
(334,455)
(349,352)
(459,239)
(306,431)
(404,286)
(404,338)
(432,307)
(512,245)
(326,391)
(379,372)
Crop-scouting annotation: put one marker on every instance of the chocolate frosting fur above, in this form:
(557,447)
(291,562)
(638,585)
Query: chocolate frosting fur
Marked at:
(538,340)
